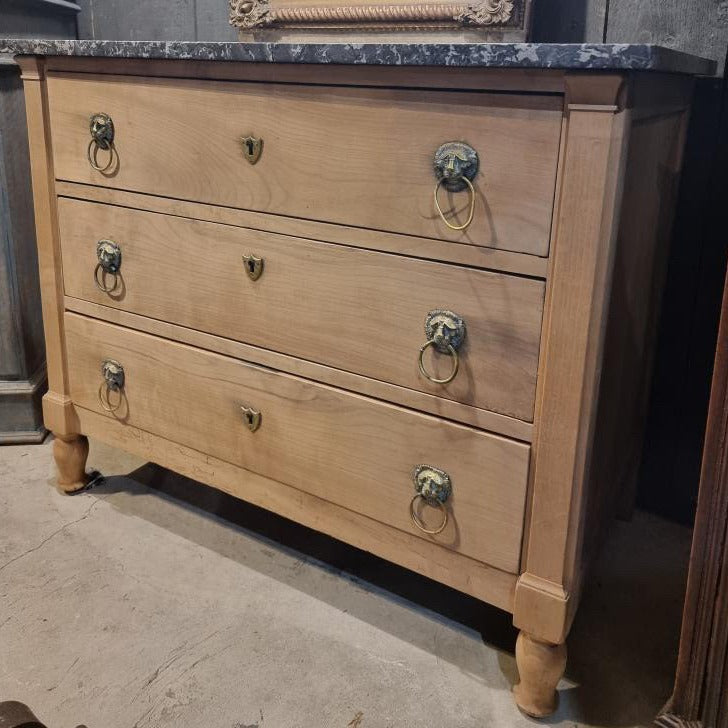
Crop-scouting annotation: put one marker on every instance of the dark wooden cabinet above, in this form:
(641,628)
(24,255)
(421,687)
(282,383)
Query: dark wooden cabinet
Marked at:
(700,697)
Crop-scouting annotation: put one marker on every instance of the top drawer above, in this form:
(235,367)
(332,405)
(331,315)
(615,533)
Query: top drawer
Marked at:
(354,156)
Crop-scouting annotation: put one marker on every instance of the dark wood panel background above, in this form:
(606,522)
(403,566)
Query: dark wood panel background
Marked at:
(701,688)
(689,321)
(695,26)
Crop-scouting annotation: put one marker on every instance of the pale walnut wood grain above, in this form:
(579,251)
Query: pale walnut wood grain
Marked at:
(650,193)
(346,172)
(527,80)
(355,156)
(347,308)
(540,666)
(350,450)
(70,454)
(569,373)
(483,419)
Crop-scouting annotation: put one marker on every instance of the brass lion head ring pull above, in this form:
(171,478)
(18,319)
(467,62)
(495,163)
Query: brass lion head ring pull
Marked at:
(113,374)
(455,165)
(101,127)
(434,487)
(445,331)
(109,255)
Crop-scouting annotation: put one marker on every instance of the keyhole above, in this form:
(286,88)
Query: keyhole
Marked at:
(249,418)
(249,144)
(251,266)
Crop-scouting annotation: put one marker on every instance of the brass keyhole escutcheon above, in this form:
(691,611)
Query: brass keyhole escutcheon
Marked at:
(253,266)
(251,417)
(252,148)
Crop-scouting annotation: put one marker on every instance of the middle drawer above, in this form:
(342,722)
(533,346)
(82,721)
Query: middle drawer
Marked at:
(357,310)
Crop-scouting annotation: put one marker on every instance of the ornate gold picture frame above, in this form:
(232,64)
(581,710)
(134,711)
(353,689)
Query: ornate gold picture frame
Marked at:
(494,19)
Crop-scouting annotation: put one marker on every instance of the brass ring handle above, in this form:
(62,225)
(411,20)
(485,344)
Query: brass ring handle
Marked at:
(109,256)
(469,184)
(101,127)
(93,157)
(113,379)
(434,486)
(430,502)
(105,401)
(453,353)
(101,284)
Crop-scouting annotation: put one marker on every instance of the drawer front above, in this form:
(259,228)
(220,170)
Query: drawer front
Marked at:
(355,156)
(350,450)
(353,309)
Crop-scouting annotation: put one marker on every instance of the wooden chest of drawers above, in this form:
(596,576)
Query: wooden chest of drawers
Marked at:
(409,307)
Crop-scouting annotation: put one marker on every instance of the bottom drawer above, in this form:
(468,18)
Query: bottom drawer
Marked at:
(354,451)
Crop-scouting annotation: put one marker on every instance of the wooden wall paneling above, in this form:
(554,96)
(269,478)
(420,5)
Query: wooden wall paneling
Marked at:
(212,21)
(701,684)
(156,20)
(698,26)
(138,19)
(569,21)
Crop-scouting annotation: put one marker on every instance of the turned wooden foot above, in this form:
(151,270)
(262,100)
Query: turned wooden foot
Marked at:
(70,454)
(540,666)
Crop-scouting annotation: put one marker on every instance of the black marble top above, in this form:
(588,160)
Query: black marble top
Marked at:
(588,56)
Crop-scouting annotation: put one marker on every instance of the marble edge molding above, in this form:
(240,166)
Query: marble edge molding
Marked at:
(587,56)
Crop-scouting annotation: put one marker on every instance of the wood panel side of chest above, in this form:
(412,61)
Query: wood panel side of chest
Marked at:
(621,161)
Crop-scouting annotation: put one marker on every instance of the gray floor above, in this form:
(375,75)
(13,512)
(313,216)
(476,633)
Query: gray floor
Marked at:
(133,607)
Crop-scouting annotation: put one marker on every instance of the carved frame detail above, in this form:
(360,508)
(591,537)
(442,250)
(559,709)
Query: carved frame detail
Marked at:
(256,14)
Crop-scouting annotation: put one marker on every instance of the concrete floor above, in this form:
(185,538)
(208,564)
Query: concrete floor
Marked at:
(128,606)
